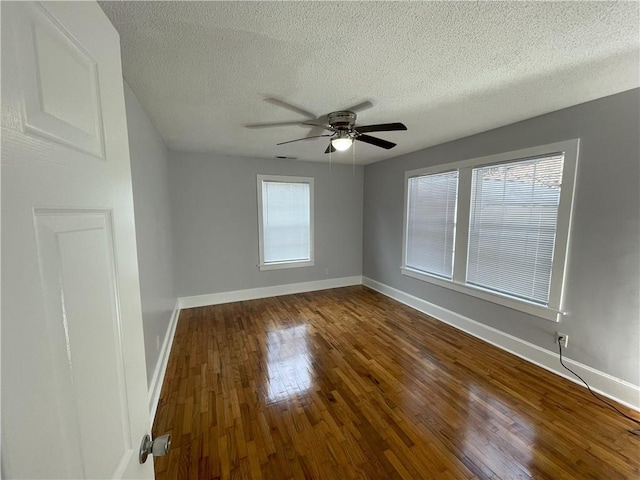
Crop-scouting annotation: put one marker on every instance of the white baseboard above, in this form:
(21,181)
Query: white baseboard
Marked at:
(161,367)
(264,292)
(619,390)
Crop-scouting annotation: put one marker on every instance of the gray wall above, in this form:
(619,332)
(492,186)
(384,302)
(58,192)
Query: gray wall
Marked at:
(215,222)
(150,177)
(602,286)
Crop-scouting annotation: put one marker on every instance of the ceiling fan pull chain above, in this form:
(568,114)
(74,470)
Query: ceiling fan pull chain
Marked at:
(330,149)
(353,157)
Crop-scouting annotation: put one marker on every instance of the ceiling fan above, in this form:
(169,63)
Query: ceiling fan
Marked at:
(341,124)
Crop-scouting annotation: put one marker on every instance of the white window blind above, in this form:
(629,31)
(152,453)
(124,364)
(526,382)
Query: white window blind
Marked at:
(512,227)
(286,222)
(431,216)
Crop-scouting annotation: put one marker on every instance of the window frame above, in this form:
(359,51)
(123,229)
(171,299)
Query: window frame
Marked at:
(262,265)
(553,310)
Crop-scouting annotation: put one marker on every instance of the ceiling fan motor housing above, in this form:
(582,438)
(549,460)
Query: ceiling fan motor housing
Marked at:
(342,120)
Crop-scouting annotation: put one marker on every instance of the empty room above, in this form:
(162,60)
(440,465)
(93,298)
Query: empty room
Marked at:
(320,240)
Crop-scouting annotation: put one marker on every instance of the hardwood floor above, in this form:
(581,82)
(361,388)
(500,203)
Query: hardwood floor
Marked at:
(349,384)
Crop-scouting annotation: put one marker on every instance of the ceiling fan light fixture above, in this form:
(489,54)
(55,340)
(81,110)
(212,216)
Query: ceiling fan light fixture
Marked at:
(342,142)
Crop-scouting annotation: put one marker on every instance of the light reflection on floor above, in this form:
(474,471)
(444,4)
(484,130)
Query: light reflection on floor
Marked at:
(288,363)
(487,442)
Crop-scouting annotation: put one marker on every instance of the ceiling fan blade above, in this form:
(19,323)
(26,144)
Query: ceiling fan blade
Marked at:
(305,138)
(292,108)
(324,126)
(316,130)
(382,127)
(330,148)
(359,107)
(269,125)
(378,142)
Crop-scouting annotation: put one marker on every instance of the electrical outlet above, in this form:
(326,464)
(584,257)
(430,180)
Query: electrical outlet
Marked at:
(563,338)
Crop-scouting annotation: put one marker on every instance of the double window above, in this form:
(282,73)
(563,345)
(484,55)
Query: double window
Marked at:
(285,216)
(495,227)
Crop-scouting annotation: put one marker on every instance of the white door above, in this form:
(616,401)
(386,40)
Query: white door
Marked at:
(74,387)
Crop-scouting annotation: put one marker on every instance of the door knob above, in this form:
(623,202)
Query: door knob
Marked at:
(157,447)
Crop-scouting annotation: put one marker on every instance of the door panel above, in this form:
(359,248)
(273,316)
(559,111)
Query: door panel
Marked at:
(60,83)
(76,259)
(74,387)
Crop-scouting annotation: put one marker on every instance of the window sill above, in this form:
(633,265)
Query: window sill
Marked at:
(541,311)
(281,265)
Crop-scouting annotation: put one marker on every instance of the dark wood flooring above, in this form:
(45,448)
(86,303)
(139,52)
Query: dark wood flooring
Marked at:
(349,384)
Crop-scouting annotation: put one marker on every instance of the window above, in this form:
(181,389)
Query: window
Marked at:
(285,216)
(495,227)
(512,228)
(431,224)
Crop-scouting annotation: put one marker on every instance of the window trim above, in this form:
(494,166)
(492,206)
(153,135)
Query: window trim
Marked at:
(286,264)
(553,310)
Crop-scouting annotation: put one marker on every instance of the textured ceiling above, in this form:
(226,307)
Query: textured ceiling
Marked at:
(445,69)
